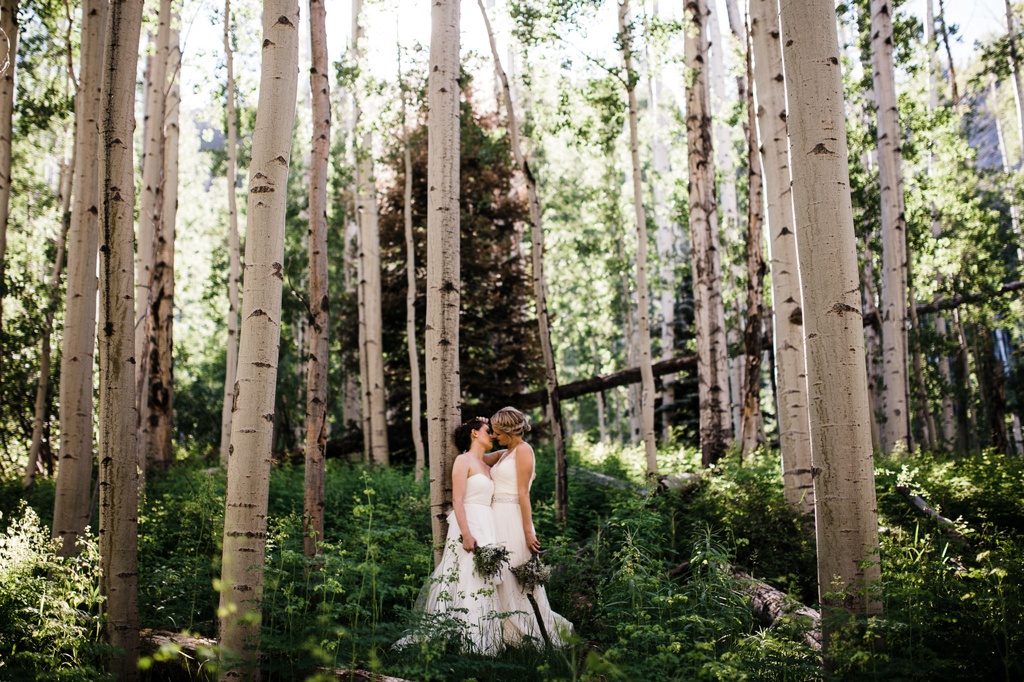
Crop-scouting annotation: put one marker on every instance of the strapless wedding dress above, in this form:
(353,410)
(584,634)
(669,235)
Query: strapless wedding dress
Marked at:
(456,596)
(521,621)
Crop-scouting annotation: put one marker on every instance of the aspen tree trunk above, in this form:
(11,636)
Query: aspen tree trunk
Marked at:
(252,428)
(539,284)
(896,428)
(730,214)
(1013,58)
(74,470)
(9,48)
(872,346)
(118,418)
(160,404)
(993,108)
(150,208)
(234,266)
(751,431)
(53,291)
(948,424)
(844,491)
(357,202)
(371,347)
(949,58)
(709,310)
(319,302)
(643,307)
(410,293)
(788,347)
(443,279)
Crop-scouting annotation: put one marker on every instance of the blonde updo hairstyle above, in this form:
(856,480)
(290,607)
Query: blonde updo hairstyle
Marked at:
(511,421)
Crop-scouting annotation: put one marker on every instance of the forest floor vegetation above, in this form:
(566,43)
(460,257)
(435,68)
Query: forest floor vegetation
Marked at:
(647,576)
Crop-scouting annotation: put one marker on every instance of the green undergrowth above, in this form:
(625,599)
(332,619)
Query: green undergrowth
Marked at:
(645,574)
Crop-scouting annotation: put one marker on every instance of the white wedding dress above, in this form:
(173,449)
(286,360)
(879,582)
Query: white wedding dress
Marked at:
(520,621)
(456,597)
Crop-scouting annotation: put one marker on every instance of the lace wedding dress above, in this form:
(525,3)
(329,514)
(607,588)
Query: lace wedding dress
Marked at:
(456,600)
(513,601)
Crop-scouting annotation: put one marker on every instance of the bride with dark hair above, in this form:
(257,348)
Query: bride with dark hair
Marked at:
(456,590)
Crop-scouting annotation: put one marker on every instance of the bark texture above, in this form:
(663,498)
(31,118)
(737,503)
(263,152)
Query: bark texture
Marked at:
(234,265)
(252,428)
(539,284)
(790,374)
(443,256)
(709,310)
(319,308)
(119,478)
(74,470)
(9,26)
(895,393)
(846,518)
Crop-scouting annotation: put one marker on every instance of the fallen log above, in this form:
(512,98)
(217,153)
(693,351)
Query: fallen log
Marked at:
(774,607)
(191,652)
(948,527)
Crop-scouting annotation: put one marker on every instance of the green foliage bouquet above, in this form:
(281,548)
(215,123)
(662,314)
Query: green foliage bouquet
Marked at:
(532,574)
(488,560)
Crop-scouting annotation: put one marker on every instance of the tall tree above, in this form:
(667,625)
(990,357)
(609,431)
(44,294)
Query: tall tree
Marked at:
(233,245)
(1013,59)
(443,255)
(375,428)
(9,26)
(410,290)
(160,388)
(319,308)
(773,132)
(709,309)
(643,308)
(844,491)
(895,389)
(540,285)
(252,426)
(118,413)
(74,469)
(150,209)
(750,434)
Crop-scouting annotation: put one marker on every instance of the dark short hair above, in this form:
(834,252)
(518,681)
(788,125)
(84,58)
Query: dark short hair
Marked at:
(464,432)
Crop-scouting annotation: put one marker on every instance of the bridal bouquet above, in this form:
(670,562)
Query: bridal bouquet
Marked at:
(532,574)
(489,559)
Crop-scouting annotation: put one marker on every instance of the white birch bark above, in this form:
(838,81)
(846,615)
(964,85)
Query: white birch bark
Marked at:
(539,283)
(643,307)
(844,491)
(74,469)
(9,26)
(319,302)
(160,401)
(709,309)
(234,257)
(443,256)
(252,428)
(896,428)
(118,416)
(790,373)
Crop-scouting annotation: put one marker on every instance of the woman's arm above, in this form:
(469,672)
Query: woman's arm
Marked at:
(491,458)
(460,474)
(524,472)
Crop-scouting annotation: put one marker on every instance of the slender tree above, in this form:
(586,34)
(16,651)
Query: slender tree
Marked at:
(896,426)
(443,279)
(150,208)
(949,57)
(160,389)
(539,284)
(234,266)
(118,414)
(750,434)
(319,308)
(410,291)
(1013,60)
(790,374)
(709,310)
(74,469)
(844,491)
(8,59)
(252,426)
